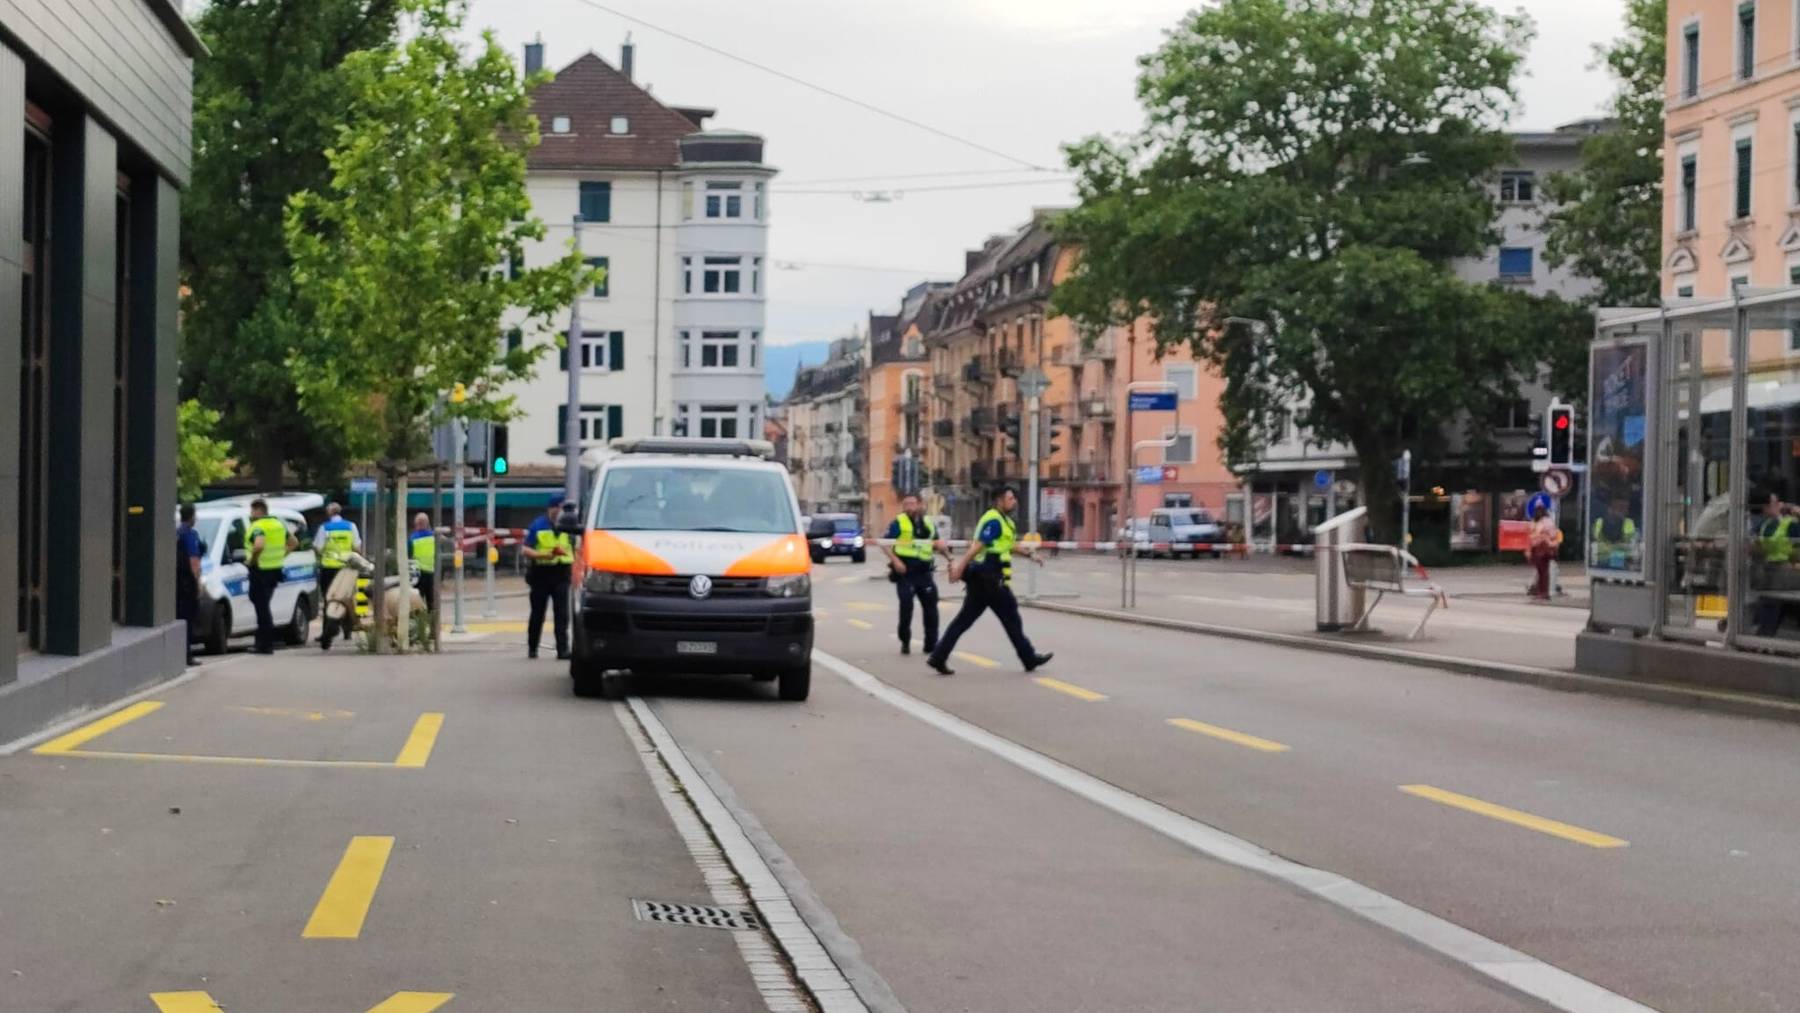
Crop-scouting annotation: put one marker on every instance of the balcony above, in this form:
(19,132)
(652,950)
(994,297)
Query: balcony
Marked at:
(912,406)
(980,421)
(1096,403)
(977,371)
(943,384)
(943,429)
(831,427)
(1008,361)
(1093,473)
(980,473)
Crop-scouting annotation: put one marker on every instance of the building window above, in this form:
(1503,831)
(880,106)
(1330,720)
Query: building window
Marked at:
(1690,171)
(603,287)
(1182,450)
(1746,22)
(1739,282)
(601,352)
(756,276)
(596,424)
(1741,206)
(762,201)
(1515,263)
(1184,379)
(718,349)
(621,125)
(1513,415)
(1690,61)
(718,275)
(1684,292)
(755,349)
(719,422)
(1794,154)
(1518,186)
(559,124)
(724,199)
(596,201)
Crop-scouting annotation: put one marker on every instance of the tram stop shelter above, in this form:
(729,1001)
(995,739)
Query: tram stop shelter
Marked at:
(1693,424)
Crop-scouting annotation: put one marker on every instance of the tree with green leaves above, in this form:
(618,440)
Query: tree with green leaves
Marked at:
(398,261)
(267,101)
(1308,173)
(201,458)
(1607,223)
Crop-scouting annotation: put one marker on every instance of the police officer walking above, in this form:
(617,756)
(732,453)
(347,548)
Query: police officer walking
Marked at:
(910,557)
(421,545)
(270,541)
(986,573)
(551,555)
(336,540)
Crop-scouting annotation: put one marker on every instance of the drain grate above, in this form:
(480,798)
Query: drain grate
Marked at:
(695,914)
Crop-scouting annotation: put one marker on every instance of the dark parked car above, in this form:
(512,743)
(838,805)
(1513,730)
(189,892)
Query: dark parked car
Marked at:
(847,539)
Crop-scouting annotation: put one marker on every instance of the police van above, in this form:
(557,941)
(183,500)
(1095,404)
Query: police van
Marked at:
(692,560)
(225,610)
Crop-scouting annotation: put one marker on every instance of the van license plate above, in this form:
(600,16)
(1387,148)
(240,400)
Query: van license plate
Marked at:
(696,647)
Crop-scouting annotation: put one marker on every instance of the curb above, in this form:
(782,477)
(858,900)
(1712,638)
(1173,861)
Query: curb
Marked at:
(1669,694)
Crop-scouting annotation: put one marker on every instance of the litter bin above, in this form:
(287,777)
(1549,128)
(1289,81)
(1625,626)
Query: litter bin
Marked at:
(1339,604)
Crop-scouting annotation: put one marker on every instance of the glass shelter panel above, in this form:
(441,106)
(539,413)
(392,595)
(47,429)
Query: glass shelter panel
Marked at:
(1695,503)
(1769,576)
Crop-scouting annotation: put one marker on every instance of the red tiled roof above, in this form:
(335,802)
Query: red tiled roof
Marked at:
(590,92)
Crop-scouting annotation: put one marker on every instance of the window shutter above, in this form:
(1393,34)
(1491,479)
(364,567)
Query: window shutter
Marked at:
(562,422)
(562,358)
(615,351)
(615,421)
(514,338)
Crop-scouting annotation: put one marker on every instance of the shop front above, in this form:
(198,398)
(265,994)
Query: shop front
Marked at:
(1694,455)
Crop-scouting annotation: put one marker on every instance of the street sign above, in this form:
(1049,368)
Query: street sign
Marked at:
(1152,401)
(1032,382)
(1171,473)
(1150,474)
(362,486)
(1557,483)
(1321,479)
(1538,503)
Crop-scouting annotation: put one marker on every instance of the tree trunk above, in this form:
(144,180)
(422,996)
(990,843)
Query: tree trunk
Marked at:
(377,553)
(403,621)
(270,458)
(1381,490)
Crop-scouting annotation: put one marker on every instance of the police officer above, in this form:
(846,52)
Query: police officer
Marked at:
(986,573)
(337,538)
(551,555)
(910,557)
(421,545)
(1615,535)
(187,575)
(1774,532)
(270,541)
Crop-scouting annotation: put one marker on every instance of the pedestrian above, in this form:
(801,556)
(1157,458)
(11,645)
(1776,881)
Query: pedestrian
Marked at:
(421,545)
(551,557)
(336,539)
(1545,537)
(270,542)
(187,575)
(1773,548)
(986,573)
(910,561)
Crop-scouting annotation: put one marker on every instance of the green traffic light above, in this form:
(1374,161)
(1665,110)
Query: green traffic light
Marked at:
(499,465)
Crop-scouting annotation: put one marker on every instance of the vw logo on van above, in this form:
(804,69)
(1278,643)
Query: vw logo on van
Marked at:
(700,586)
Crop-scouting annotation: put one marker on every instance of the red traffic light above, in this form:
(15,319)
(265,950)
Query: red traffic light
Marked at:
(1561,421)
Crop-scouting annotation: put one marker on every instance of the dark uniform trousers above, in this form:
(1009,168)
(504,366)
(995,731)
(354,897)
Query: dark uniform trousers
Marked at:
(917,582)
(549,585)
(986,589)
(262,591)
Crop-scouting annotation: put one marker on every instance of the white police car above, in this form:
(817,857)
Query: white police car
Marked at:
(225,610)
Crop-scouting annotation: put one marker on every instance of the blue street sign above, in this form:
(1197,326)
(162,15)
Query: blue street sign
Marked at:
(1150,474)
(1538,501)
(1321,479)
(362,486)
(1151,401)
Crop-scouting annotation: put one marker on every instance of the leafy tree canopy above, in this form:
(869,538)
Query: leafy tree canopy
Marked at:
(201,458)
(1308,172)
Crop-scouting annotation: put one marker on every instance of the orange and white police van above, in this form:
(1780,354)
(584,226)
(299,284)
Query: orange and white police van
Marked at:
(692,560)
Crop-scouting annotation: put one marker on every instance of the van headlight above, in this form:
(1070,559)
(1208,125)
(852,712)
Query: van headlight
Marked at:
(792,585)
(859,541)
(607,582)
(824,543)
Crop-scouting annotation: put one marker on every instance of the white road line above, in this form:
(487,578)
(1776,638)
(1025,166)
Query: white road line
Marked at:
(1521,971)
(739,876)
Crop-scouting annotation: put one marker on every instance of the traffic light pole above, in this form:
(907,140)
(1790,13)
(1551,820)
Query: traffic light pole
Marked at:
(456,523)
(490,610)
(1031,506)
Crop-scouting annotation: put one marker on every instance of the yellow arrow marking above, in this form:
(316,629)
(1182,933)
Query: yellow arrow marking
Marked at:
(414,1002)
(184,1002)
(294,712)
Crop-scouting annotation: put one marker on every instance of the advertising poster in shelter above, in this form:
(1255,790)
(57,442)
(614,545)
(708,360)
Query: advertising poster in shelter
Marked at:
(1469,522)
(1618,414)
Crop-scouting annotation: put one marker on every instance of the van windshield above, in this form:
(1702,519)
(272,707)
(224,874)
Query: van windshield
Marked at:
(1189,518)
(677,498)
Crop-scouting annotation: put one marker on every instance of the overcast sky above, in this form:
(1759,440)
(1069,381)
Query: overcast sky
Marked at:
(1020,76)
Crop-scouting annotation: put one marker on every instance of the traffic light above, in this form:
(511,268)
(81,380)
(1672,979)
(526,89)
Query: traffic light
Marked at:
(1053,428)
(1009,424)
(1540,440)
(1561,435)
(498,437)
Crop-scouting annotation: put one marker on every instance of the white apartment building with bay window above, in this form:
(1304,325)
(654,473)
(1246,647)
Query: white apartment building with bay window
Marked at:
(671,339)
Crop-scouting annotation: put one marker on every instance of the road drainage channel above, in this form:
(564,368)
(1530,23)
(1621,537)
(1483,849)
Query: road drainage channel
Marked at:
(791,967)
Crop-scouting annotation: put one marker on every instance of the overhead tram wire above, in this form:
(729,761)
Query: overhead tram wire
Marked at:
(936,188)
(821,89)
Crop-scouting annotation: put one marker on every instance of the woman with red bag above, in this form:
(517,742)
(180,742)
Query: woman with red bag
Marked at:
(1545,539)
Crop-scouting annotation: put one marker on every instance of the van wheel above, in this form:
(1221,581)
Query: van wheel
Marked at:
(295,633)
(859,556)
(587,677)
(796,683)
(219,637)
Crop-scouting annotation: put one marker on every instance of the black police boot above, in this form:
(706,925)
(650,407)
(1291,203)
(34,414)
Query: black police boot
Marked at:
(1039,661)
(905,647)
(940,665)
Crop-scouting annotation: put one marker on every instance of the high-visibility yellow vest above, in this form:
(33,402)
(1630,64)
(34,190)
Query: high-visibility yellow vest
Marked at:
(556,547)
(1001,548)
(275,536)
(909,546)
(423,545)
(1777,546)
(1605,546)
(340,541)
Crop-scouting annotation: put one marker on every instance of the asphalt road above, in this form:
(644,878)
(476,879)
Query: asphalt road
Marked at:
(235,840)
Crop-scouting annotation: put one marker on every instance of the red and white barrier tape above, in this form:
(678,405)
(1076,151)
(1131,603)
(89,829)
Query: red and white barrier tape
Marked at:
(1230,547)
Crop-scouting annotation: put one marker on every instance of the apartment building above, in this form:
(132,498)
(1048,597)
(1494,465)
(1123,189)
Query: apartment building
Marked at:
(1731,166)
(1282,495)
(677,214)
(897,385)
(827,420)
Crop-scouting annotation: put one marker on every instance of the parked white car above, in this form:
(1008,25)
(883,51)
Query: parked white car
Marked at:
(225,610)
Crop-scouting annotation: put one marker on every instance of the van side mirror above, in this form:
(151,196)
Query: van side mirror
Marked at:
(820,528)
